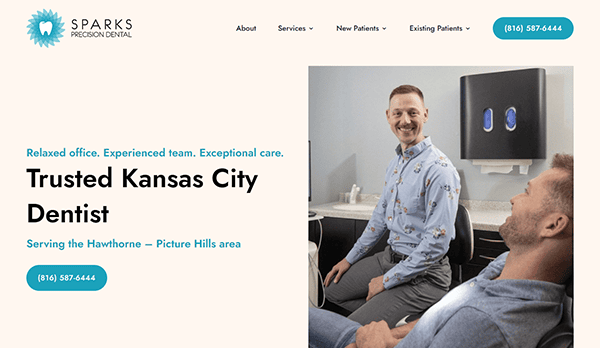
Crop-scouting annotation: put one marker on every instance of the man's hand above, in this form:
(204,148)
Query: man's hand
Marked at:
(375,287)
(339,269)
(375,335)
(402,331)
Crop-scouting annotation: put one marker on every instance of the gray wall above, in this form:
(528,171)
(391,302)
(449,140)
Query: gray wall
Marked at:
(352,143)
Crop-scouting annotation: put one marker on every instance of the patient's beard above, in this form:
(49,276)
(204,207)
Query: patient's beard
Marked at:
(520,231)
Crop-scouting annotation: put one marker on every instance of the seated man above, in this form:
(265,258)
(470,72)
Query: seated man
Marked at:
(418,206)
(513,302)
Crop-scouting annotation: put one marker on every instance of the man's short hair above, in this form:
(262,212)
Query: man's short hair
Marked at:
(561,191)
(407,89)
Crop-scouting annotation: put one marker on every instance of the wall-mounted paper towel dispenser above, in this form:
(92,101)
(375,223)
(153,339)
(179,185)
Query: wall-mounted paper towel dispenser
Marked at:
(503,115)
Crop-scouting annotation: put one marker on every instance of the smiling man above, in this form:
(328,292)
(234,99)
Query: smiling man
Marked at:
(418,205)
(513,302)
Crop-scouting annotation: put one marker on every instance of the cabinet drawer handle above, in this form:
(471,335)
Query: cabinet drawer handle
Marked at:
(487,257)
(491,240)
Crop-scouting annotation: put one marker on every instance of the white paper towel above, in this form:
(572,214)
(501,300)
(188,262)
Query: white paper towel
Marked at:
(503,166)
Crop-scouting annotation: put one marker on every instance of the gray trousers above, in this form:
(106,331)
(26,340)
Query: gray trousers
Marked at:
(393,305)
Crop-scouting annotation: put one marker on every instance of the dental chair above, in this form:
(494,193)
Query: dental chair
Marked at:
(461,248)
(562,335)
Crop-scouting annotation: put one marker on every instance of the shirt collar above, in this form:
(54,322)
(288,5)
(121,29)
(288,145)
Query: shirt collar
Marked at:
(415,150)
(517,288)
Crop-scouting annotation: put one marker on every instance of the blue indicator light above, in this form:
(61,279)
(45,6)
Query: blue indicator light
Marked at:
(511,119)
(488,117)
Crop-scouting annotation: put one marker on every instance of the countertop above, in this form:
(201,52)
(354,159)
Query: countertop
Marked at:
(485,215)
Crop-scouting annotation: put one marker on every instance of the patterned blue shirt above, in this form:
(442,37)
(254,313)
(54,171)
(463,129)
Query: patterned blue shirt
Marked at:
(418,205)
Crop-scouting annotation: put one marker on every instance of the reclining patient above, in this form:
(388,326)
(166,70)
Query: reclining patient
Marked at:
(513,302)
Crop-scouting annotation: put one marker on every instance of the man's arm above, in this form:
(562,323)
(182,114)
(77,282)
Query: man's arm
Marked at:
(374,230)
(376,227)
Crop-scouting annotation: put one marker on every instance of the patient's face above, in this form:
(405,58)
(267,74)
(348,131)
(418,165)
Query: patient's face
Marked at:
(528,210)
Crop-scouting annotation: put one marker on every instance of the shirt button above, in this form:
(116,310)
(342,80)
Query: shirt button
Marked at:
(389,218)
(472,284)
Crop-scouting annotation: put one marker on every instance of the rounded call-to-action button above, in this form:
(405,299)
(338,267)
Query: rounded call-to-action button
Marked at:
(533,28)
(66,277)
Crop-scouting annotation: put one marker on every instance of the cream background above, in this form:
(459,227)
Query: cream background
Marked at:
(187,80)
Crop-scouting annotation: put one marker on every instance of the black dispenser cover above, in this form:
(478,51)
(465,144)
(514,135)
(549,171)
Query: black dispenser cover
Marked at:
(522,90)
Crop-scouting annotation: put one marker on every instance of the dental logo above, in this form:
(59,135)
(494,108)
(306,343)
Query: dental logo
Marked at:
(45,28)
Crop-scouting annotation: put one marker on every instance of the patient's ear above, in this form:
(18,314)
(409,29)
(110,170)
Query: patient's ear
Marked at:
(555,224)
